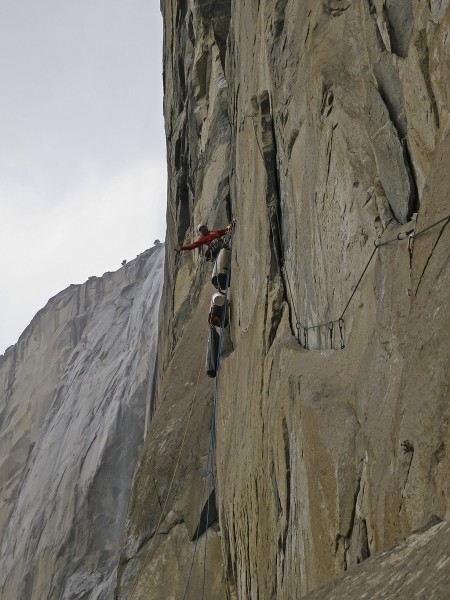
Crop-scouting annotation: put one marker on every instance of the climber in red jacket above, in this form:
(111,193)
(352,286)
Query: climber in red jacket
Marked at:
(206,238)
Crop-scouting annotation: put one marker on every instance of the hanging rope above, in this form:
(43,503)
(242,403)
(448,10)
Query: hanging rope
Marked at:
(209,465)
(401,236)
(357,285)
(160,520)
(447,218)
(213,417)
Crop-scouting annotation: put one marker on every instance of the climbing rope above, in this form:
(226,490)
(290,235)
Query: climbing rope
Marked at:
(197,534)
(357,285)
(209,464)
(447,218)
(160,520)
(403,235)
(410,235)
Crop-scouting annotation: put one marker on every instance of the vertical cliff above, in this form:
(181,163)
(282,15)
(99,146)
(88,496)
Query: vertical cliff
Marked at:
(323,127)
(75,392)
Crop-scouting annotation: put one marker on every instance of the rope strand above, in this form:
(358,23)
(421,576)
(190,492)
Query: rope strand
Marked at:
(147,561)
(209,465)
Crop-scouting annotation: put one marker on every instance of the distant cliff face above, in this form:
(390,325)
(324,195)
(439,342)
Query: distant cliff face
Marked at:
(75,392)
(324,127)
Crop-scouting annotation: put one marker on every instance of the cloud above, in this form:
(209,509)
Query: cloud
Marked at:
(82,149)
(89,232)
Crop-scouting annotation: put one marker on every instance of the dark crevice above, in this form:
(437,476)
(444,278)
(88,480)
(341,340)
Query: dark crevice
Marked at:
(266,142)
(329,151)
(424,63)
(181,12)
(229,567)
(269,151)
(414,202)
(287,459)
(273,479)
(153,390)
(399,14)
(331,7)
(398,125)
(279,17)
(326,103)
(181,77)
(429,257)
(364,539)
(348,536)
(217,14)
(190,29)
(209,516)
(407,472)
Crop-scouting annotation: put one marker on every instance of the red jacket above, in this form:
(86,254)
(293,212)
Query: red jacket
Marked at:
(206,239)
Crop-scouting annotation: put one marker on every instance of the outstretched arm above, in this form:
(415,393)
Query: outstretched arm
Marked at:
(190,246)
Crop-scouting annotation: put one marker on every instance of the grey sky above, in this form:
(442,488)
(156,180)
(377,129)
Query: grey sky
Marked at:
(82,149)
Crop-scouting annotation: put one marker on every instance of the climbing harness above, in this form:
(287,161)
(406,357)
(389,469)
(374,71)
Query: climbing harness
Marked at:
(216,246)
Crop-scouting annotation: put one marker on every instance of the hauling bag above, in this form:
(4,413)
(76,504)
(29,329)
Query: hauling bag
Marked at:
(216,311)
(220,271)
(211,353)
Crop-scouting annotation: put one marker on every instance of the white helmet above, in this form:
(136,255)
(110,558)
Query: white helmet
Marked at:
(200,226)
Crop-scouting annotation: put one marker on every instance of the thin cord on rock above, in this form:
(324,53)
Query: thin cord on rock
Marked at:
(147,561)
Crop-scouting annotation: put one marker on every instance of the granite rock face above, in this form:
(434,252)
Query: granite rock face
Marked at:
(324,127)
(416,568)
(75,395)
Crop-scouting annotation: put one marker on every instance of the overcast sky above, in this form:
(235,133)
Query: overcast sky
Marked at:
(82,149)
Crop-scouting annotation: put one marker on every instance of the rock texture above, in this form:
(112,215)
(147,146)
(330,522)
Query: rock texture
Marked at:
(416,568)
(324,127)
(75,392)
